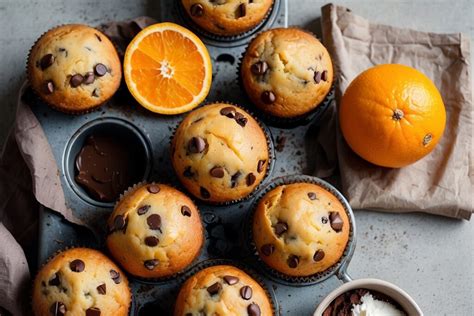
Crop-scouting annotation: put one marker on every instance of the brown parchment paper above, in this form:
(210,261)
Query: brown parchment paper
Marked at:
(441,183)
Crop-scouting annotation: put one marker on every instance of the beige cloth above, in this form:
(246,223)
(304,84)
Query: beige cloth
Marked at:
(442,183)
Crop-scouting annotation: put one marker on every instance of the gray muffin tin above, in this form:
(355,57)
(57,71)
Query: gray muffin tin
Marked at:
(224,225)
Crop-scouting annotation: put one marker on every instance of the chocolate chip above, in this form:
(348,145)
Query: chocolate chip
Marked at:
(154,221)
(234,178)
(312,196)
(259,68)
(98,37)
(231,280)
(317,76)
(250,179)
(241,119)
(151,241)
(242,10)
(188,173)
(48,87)
(115,276)
(293,261)
(93,311)
(268,97)
(267,249)
(89,78)
(246,292)
(185,211)
(318,255)
(336,221)
(260,165)
(58,309)
(204,193)
(95,93)
(151,264)
(119,223)
(253,310)
(76,80)
(197,9)
(143,209)
(324,75)
(196,145)
(324,220)
(217,172)
(100,70)
(55,281)
(214,289)
(280,228)
(153,189)
(46,61)
(102,289)
(77,265)
(228,111)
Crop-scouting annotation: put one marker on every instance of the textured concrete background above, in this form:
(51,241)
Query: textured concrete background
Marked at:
(430,257)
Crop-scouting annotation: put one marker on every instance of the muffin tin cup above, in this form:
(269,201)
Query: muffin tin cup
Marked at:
(271,156)
(338,269)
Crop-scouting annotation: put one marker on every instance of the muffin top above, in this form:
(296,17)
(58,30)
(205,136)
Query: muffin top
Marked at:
(155,231)
(286,72)
(222,290)
(227,17)
(220,153)
(300,229)
(74,68)
(81,281)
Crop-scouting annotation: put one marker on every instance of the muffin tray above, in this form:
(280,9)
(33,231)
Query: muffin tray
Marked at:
(225,226)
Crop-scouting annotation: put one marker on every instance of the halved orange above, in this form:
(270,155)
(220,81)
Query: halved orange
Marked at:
(167,69)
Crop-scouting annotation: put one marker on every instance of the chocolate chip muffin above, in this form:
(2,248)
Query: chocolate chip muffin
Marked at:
(286,73)
(74,68)
(81,281)
(227,17)
(155,231)
(300,229)
(222,290)
(220,153)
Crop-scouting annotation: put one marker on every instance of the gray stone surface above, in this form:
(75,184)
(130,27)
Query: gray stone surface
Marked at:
(430,257)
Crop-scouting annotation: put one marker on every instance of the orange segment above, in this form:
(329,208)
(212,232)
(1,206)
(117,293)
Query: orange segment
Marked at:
(167,69)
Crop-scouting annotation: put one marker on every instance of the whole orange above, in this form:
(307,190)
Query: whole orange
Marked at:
(392,115)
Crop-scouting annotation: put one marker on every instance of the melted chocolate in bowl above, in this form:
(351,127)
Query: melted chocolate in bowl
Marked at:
(105,167)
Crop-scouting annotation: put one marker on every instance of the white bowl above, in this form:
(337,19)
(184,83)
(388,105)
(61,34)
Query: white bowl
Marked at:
(393,291)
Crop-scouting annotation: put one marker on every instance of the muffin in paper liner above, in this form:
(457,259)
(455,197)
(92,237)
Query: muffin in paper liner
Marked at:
(268,165)
(336,269)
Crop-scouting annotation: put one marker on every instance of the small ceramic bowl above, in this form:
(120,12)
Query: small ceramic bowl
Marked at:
(384,287)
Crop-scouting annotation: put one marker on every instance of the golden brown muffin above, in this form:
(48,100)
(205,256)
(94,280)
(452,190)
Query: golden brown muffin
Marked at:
(222,290)
(74,68)
(227,17)
(300,229)
(286,72)
(155,231)
(220,153)
(81,281)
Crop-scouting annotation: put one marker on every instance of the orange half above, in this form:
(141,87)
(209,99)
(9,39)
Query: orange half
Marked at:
(167,69)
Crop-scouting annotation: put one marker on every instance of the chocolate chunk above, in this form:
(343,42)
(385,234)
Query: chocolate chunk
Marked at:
(89,78)
(268,97)
(231,280)
(280,228)
(317,77)
(312,195)
(217,172)
(250,179)
(253,310)
(93,311)
(336,221)
(260,165)
(115,276)
(240,119)
(77,265)
(143,209)
(204,193)
(119,223)
(267,249)
(197,9)
(318,255)
(58,309)
(196,145)
(154,221)
(242,10)
(102,289)
(228,111)
(188,172)
(151,241)
(185,211)
(100,70)
(48,87)
(151,264)
(153,189)
(234,178)
(46,61)
(95,93)
(259,68)
(76,80)
(55,281)
(293,261)
(324,220)
(214,289)
(324,75)
(246,292)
